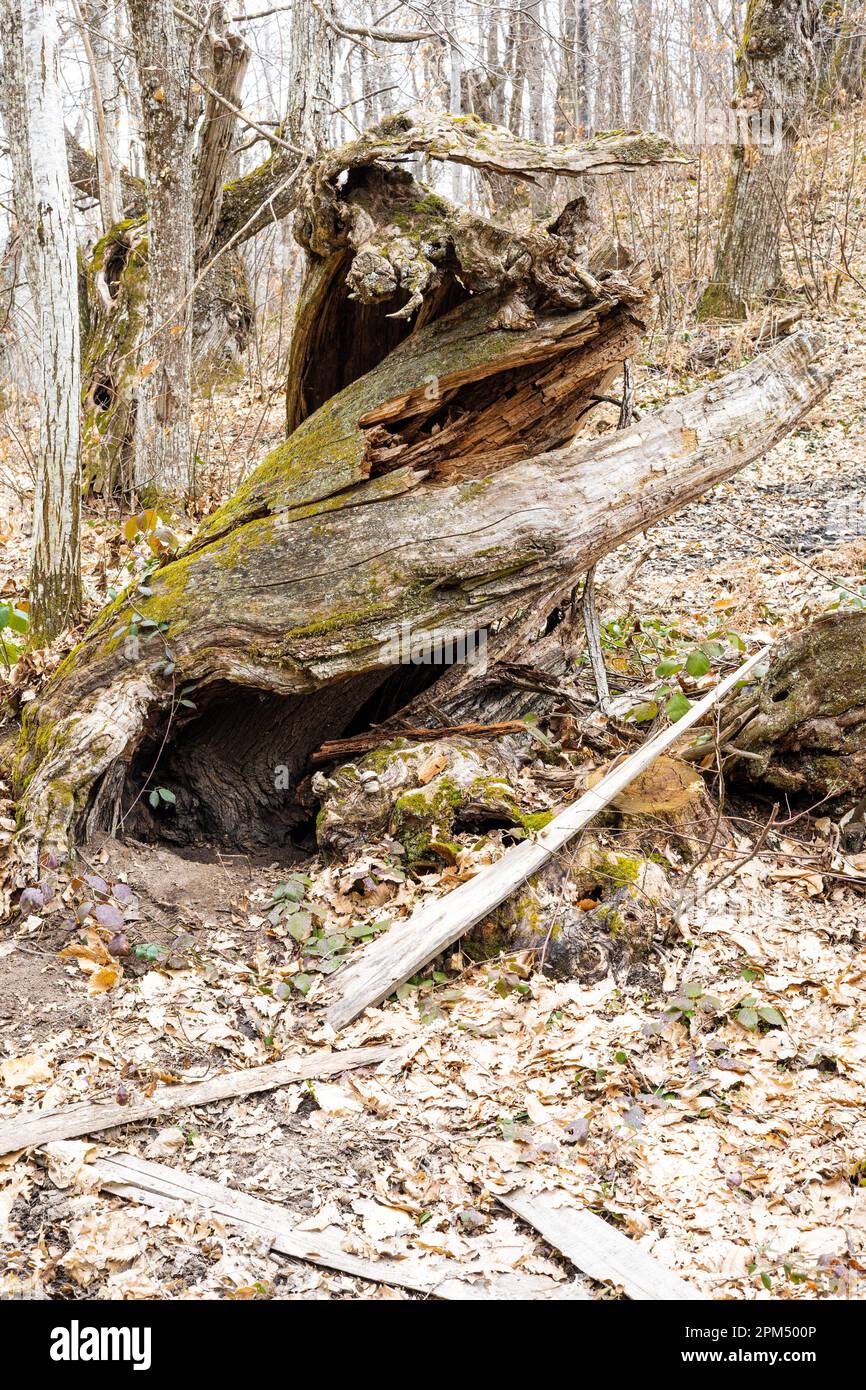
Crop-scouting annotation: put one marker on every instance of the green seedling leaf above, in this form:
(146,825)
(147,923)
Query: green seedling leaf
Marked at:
(149,952)
(697,664)
(669,666)
(646,710)
(771,1016)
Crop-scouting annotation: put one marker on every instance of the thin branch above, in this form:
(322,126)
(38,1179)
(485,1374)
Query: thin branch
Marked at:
(368,31)
(244,118)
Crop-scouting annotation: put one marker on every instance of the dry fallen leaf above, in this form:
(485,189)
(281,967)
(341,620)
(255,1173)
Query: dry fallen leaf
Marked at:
(31,1070)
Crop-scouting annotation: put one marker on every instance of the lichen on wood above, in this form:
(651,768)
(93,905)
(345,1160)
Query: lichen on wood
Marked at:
(802,728)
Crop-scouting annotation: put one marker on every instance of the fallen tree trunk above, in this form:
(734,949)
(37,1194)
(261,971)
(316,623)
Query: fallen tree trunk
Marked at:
(288,611)
(431,491)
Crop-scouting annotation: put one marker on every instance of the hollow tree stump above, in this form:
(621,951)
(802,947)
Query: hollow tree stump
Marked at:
(439,494)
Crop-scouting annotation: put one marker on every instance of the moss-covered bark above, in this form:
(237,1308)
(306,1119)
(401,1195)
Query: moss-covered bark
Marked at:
(437,495)
(804,726)
(113,302)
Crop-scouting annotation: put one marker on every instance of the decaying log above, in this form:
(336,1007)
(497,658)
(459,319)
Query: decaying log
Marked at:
(803,729)
(414,794)
(591,913)
(338,548)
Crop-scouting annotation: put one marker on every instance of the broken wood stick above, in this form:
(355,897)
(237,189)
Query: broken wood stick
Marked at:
(379,968)
(597,1248)
(43,1126)
(362,743)
(592,629)
(157,1185)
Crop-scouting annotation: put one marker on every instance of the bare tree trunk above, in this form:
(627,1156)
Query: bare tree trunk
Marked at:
(535,67)
(610,64)
(582,76)
(162,421)
(517,51)
(97,39)
(841,54)
(224,72)
(640,67)
(571,113)
(34,121)
(311,75)
(455,92)
(773,70)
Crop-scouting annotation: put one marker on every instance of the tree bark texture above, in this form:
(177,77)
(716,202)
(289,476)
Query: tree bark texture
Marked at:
(803,729)
(162,419)
(43,199)
(774,69)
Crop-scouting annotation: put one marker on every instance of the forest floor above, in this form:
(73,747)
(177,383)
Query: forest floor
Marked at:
(733,1154)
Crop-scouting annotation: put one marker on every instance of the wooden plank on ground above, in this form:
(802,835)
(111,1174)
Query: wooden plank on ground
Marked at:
(399,953)
(157,1185)
(70,1122)
(597,1248)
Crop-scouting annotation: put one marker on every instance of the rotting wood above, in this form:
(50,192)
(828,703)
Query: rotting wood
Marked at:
(380,967)
(157,1185)
(37,1127)
(313,572)
(598,1248)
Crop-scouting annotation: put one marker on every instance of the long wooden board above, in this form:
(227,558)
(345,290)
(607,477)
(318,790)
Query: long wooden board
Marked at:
(157,1185)
(598,1248)
(43,1126)
(406,948)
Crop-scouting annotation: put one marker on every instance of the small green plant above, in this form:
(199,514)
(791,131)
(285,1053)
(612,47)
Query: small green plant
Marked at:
(691,1000)
(14,625)
(291,911)
(751,1014)
(848,597)
(161,797)
(645,645)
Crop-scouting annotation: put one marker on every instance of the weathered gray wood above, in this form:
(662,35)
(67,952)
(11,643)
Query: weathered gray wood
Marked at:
(393,957)
(157,1185)
(597,1248)
(43,1126)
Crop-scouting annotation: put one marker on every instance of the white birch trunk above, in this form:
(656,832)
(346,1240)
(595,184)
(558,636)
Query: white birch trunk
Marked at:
(43,197)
